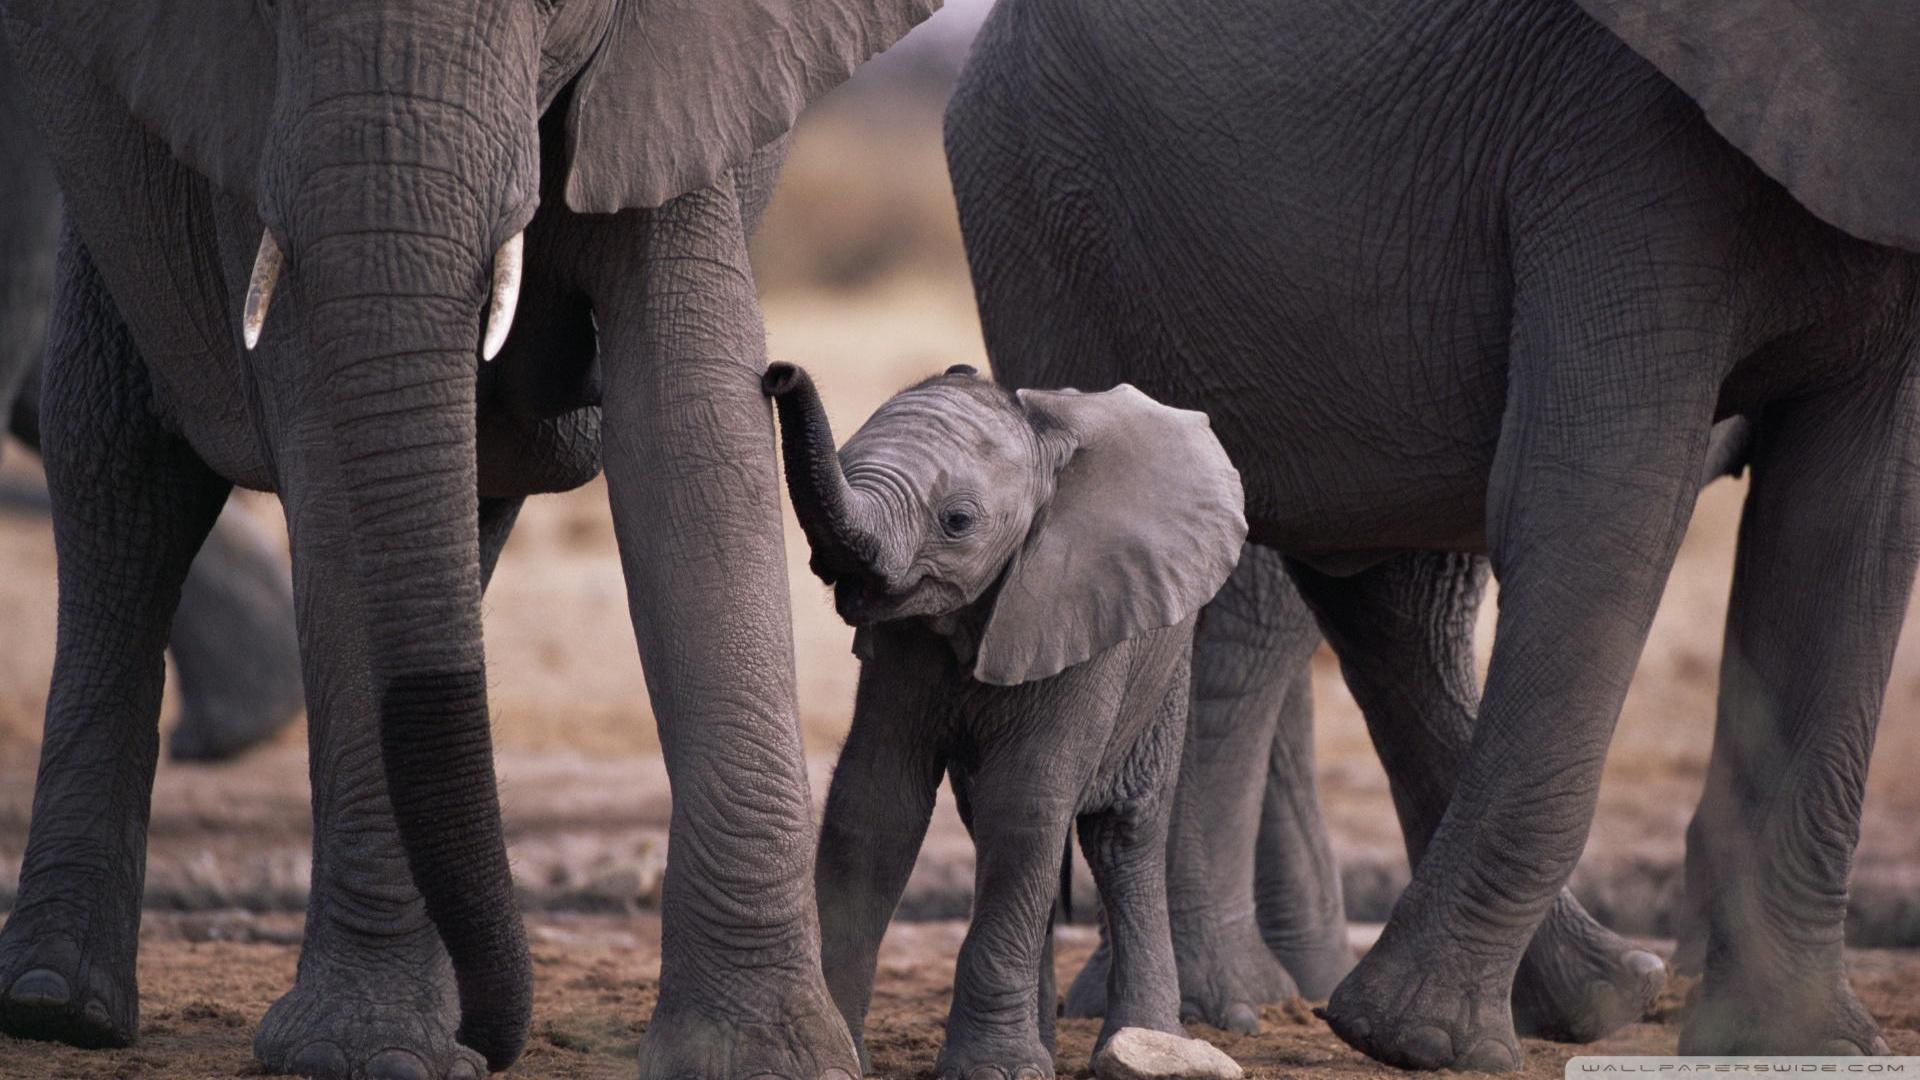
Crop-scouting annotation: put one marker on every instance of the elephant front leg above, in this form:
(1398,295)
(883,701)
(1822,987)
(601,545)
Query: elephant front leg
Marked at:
(993,1030)
(374,995)
(690,466)
(131,504)
(1591,488)
(1820,588)
(1404,632)
(877,811)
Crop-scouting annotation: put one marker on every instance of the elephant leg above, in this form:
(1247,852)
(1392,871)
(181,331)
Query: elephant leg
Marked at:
(878,807)
(1297,898)
(234,646)
(1404,632)
(1249,643)
(690,464)
(1802,678)
(131,504)
(374,994)
(1018,828)
(1125,847)
(1592,484)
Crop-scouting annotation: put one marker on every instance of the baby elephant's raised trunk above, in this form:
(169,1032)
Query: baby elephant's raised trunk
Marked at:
(822,500)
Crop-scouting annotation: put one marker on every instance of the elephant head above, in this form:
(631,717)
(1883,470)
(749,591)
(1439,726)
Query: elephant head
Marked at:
(391,150)
(1034,529)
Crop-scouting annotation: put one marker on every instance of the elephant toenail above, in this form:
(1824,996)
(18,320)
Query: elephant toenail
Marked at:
(1242,1020)
(397,1064)
(988,1072)
(1028,1072)
(1846,1048)
(1490,1055)
(321,1059)
(837,1073)
(96,1012)
(463,1070)
(40,987)
(1426,1047)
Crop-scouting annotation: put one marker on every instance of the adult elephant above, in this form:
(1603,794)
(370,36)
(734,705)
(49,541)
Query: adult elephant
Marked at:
(296,231)
(1478,277)
(232,641)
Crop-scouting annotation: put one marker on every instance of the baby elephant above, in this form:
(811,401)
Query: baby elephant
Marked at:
(1023,572)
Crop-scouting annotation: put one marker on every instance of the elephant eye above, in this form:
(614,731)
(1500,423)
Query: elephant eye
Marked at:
(957,521)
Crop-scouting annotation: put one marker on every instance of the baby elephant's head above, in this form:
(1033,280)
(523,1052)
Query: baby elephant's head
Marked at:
(1067,522)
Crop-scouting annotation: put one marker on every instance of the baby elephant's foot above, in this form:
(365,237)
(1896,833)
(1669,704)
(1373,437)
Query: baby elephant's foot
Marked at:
(1417,1007)
(1787,1014)
(1144,1054)
(380,1022)
(994,1059)
(1580,981)
(1226,974)
(56,988)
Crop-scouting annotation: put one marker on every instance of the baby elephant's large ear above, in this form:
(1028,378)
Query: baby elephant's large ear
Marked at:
(1145,524)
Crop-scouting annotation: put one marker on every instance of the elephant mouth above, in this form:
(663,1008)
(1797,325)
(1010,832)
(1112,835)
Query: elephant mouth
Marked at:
(865,600)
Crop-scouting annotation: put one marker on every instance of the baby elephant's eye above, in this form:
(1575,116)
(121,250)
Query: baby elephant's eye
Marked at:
(956,521)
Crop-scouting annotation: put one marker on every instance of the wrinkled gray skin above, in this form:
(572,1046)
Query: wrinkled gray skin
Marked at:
(1411,670)
(232,641)
(390,150)
(927,537)
(1439,294)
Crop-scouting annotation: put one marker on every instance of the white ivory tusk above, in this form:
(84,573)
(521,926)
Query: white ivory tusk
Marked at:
(506,294)
(266,274)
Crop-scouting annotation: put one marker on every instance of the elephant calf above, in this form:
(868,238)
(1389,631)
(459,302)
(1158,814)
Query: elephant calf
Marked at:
(1023,573)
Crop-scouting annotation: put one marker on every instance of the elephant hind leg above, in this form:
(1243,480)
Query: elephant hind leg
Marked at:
(1404,633)
(132,503)
(234,646)
(1825,563)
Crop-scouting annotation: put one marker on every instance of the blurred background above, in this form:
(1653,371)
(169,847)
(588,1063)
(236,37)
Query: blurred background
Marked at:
(864,282)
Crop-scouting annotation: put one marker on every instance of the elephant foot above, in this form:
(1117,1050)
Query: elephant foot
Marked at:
(1787,1014)
(1580,981)
(1226,974)
(806,1040)
(56,988)
(392,1018)
(993,1059)
(1419,1006)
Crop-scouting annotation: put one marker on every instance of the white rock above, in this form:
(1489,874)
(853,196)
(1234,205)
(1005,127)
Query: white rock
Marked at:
(1142,1054)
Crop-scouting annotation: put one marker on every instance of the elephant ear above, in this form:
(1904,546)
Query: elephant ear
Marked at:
(1824,97)
(198,74)
(1144,526)
(683,90)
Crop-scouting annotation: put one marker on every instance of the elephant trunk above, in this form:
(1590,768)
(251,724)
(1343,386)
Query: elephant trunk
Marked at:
(822,501)
(395,322)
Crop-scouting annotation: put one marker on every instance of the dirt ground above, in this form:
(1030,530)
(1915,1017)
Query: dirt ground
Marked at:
(206,981)
(864,284)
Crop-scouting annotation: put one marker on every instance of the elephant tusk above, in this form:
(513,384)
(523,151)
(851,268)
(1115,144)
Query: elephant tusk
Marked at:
(266,274)
(506,294)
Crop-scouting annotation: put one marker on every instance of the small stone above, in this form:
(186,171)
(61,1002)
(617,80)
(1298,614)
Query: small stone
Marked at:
(1144,1054)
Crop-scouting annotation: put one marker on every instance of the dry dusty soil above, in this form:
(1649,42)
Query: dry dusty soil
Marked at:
(205,983)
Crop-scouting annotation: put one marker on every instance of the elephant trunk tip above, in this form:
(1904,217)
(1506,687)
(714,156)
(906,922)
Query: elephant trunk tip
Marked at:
(781,379)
